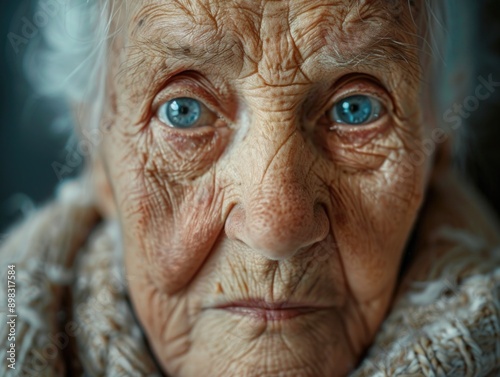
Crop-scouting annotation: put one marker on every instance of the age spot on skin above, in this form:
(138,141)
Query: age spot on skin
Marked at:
(219,288)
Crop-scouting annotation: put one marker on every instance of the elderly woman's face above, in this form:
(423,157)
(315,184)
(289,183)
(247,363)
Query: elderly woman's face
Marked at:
(259,154)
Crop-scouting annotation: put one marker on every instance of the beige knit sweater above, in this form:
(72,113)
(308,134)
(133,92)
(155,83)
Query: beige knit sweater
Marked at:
(74,317)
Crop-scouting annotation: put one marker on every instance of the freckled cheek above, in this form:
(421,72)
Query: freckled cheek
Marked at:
(175,237)
(170,206)
(374,213)
(396,192)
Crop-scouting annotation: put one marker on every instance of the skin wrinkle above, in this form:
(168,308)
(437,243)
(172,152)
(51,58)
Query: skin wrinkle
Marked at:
(279,68)
(326,42)
(194,203)
(274,158)
(389,46)
(159,254)
(348,337)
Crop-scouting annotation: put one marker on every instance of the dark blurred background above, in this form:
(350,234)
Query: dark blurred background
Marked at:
(29,142)
(29,150)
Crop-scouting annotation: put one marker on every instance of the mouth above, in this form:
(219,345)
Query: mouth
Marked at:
(266,311)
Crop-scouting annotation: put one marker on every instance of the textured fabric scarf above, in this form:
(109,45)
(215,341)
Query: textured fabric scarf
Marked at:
(74,317)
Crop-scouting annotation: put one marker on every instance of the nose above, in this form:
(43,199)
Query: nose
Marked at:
(279,215)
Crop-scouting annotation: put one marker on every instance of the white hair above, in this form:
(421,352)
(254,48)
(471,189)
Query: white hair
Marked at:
(69,60)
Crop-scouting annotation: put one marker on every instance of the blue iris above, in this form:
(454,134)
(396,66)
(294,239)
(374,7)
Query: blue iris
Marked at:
(355,110)
(183,112)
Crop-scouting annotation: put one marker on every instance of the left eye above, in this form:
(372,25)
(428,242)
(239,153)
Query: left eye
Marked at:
(356,110)
(182,112)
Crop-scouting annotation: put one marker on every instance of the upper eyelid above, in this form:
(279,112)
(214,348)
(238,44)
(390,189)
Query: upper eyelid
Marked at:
(160,100)
(337,100)
(185,88)
(359,84)
(384,99)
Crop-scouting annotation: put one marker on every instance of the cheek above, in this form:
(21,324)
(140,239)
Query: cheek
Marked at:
(174,239)
(167,321)
(158,179)
(374,213)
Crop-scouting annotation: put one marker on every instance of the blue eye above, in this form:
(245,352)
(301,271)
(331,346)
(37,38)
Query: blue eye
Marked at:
(181,112)
(356,110)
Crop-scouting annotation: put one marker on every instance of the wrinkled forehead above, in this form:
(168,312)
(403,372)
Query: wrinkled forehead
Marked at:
(279,34)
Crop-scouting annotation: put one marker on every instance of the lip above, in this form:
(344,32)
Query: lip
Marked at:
(263,310)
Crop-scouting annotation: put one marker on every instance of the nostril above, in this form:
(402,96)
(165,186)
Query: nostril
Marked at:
(275,233)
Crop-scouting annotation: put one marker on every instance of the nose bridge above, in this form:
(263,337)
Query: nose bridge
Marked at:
(282,188)
(278,214)
(285,154)
(282,175)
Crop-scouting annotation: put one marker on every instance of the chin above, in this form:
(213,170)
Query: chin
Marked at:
(227,342)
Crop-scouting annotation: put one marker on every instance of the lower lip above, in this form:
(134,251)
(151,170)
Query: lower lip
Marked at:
(269,314)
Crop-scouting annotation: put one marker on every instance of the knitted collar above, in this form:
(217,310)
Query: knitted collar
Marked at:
(74,317)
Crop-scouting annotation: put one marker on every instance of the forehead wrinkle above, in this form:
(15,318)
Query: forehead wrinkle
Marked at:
(344,33)
(184,33)
(281,58)
(245,22)
(357,33)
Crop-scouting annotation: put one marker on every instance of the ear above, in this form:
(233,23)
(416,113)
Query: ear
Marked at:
(103,189)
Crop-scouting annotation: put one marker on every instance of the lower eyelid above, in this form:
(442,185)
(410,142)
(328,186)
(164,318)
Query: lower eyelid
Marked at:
(358,135)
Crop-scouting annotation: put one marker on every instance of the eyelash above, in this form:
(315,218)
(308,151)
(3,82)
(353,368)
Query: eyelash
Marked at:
(187,84)
(186,89)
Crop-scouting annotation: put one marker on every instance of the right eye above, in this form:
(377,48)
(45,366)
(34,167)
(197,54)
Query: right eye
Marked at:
(183,112)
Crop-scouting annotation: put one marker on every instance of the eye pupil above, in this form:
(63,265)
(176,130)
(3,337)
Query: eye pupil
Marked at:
(348,108)
(356,110)
(183,112)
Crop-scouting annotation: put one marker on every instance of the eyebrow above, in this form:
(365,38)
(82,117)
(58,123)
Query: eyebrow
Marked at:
(220,53)
(389,43)
(381,53)
(377,52)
